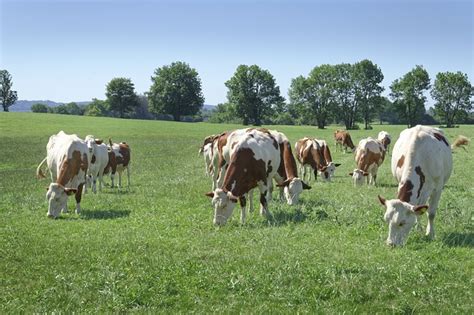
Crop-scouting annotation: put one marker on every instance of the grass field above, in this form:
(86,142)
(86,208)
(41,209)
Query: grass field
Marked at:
(154,248)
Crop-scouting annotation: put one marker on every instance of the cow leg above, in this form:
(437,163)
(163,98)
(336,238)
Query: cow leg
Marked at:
(78,198)
(242,209)
(101,179)
(120,178)
(112,176)
(263,203)
(249,196)
(64,209)
(433,205)
(128,176)
(94,184)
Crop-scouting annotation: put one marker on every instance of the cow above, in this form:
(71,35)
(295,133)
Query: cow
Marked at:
(254,161)
(460,142)
(291,186)
(343,140)
(385,138)
(119,160)
(207,150)
(67,160)
(315,154)
(99,161)
(370,154)
(422,164)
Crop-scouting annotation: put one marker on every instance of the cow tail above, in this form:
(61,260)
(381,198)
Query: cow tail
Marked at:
(110,142)
(39,171)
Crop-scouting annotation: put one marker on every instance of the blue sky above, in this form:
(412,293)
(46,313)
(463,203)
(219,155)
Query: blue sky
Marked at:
(68,50)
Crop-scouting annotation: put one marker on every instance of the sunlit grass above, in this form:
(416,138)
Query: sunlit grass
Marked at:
(154,247)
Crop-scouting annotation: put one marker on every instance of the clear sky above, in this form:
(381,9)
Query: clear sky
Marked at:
(68,50)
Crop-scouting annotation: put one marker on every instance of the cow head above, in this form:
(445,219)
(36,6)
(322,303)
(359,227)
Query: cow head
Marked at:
(90,142)
(358,176)
(400,216)
(223,203)
(331,169)
(324,172)
(292,189)
(57,198)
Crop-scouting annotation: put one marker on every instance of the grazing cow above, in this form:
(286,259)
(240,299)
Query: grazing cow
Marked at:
(119,160)
(422,164)
(369,156)
(254,161)
(67,160)
(315,154)
(207,149)
(98,163)
(343,139)
(287,174)
(385,138)
(460,142)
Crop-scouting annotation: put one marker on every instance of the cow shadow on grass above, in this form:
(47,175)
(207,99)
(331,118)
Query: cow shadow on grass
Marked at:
(456,239)
(387,185)
(104,214)
(306,210)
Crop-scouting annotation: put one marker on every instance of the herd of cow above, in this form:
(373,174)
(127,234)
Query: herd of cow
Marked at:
(241,160)
(75,164)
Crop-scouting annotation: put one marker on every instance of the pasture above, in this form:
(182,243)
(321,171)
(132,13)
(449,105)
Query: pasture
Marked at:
(154,248)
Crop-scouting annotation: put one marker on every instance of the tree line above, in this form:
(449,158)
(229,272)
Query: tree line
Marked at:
(342,93)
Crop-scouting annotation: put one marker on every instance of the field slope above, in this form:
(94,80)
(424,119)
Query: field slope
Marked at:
(154,248)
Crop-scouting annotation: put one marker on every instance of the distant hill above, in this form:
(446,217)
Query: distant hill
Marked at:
(25,106)
(209,107)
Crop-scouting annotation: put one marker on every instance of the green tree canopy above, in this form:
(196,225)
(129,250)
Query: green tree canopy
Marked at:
(7,96)
(312,97)
(367,80)
(175,90)
(97,108)
(344,95)
(121,96)
(39,108)
(452,93)
(407,93)
(253,92)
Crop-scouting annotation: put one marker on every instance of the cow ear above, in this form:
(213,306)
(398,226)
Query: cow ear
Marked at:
(420,209)
(382,200)
(70,191)
(210,194)
(366,174)
(337,164)
(306,186)
(285,183)
(232,197)
(322,169)
(47,188)
(351,173)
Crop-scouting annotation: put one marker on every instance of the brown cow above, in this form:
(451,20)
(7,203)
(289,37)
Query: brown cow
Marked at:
(343,139)
(119,160)
(310,154)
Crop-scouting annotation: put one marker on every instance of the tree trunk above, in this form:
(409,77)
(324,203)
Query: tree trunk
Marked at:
(320,123)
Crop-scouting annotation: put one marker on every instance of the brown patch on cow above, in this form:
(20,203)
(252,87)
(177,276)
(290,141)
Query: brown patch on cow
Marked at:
(112,164)
(368,158)
(93,159)
(440,137)
(99,141)
(269,168)
(400,162)
(386,142)
(234,144)
(287,167)
(326,154)
(405,192)
(242,159)
(70,167)
(124,150)
(422,179)
(207,140)
(343,138)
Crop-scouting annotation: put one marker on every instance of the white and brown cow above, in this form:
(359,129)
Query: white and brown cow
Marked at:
(370,154)
(385,138)
(422,164)
(207,150)
(67,160)
(119,160)
(254,158)
(98,163)
(343,140)
(314,154)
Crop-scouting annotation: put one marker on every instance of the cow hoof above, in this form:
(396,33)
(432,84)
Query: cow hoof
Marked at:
(50,216)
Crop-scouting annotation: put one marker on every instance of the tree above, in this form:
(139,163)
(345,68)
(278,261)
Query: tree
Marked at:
(407,93)
(253,92)
(74,109)
(367,77)
(121,96)
(452,93)
(175,90)
(97,108)
(224,113)
(39,108)
(344,94)
(311,98)
(7,96)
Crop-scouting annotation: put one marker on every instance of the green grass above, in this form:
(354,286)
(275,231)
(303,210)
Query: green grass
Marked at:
(154,248)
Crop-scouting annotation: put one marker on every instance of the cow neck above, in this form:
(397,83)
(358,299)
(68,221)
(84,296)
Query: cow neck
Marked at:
(288,161)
